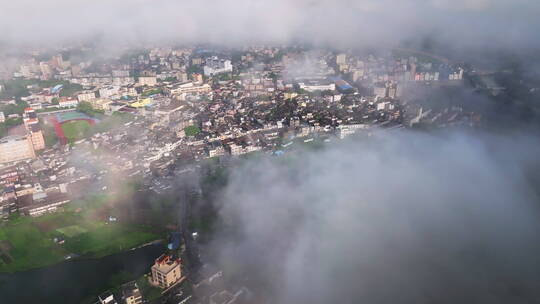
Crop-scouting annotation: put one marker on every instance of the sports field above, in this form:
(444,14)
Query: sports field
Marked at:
(75,130)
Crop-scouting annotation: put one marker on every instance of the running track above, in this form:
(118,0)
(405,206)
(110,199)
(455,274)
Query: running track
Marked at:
(60,132)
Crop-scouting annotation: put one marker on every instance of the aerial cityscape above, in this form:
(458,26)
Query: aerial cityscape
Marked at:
(241,152)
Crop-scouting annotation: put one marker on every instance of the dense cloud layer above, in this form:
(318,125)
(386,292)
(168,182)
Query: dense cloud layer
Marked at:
(337,23)
(402,218)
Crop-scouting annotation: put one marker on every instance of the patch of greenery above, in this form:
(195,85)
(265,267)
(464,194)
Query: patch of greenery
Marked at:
(192,130)
(17,108)
(30,247)
(72,231)
(224,77)
(152,92)
(16,88)
(12,122)
(148,291)
(86,108)
(194,69)
(170,79)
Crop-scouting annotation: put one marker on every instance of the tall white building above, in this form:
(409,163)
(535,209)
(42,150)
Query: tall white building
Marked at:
(215,66)
(107,92)
(341,59)
(45,68)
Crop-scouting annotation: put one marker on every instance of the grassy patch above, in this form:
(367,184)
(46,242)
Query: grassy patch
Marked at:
(72,231)
(148,291)
(151,92)
(192,130)
(106,239)
(30,247)
(48,223)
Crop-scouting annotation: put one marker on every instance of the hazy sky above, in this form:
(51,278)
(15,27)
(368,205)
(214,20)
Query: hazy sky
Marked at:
(507,23)
(404,218)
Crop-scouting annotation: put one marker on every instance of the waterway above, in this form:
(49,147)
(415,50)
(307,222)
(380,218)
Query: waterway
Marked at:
(77,280)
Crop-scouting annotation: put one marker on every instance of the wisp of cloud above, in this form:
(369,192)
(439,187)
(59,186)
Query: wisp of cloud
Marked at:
(397,218)
(341,23)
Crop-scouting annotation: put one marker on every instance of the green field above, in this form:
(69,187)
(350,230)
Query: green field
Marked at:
(75,130)
(30,241)
(105,239)
(30,246)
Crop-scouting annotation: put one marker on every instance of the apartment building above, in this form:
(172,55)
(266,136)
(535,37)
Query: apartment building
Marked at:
(166,271)
(131,293)
(16,148)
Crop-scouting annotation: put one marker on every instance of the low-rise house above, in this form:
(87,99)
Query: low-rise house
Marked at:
(131,293)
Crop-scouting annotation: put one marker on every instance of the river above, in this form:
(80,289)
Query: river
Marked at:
(76,280)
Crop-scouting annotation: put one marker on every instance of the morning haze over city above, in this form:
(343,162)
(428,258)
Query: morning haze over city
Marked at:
(261,152)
